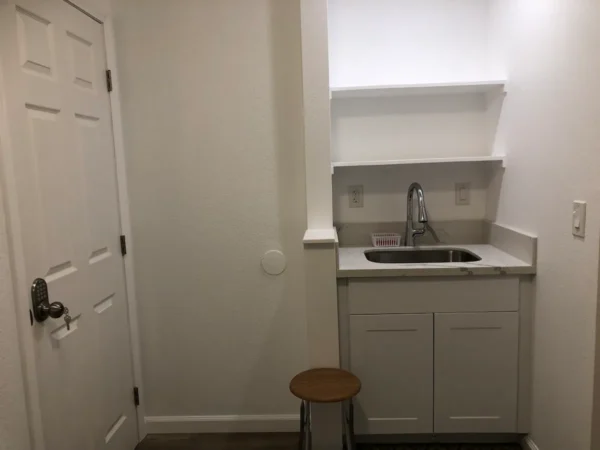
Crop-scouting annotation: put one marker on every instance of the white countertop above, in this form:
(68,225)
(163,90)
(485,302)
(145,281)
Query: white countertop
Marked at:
(354,264)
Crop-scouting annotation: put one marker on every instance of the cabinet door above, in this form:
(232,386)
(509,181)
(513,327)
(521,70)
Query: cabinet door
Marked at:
(393,357)
(476,372)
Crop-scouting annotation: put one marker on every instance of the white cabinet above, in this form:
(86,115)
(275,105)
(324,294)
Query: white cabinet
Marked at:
(393,357)
(437,355)
(476,372)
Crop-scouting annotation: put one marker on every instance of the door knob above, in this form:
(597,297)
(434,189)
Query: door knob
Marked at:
(54,310)
(42,308)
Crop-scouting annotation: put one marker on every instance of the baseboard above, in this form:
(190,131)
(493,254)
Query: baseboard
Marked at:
(528,444)
(267,423)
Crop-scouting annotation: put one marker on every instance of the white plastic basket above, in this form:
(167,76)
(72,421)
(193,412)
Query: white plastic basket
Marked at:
(385,239)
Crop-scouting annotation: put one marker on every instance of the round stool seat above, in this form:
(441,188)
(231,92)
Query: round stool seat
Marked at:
(325,385)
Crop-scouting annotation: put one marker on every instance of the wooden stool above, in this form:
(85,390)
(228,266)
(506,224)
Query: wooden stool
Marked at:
(325,386)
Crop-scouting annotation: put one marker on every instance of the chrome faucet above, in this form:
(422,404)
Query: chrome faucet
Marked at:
(411,232)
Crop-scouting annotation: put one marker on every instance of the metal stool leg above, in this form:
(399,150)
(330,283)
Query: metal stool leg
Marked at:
(345,425)
(352,440)
(348,439)
(302,425)
(309,426)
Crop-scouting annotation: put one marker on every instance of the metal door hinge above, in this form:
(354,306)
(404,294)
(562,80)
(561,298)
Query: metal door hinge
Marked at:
(136,396)
(109,84)
(123,245)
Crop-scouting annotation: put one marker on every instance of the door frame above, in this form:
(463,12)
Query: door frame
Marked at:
(21,285)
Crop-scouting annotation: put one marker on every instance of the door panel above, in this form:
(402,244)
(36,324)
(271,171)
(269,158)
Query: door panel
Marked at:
(53,63)
(393,357)
(476,372)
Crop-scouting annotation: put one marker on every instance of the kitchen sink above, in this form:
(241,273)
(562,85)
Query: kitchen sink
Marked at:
(419,256)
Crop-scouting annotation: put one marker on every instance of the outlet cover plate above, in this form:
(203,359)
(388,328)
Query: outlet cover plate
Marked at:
(463,193)
(355,196)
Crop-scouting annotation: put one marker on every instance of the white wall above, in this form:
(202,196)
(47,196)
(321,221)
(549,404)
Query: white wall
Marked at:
(212,101)
(374,42)
(411,127)
(385,191)
(14,433)
(550,127)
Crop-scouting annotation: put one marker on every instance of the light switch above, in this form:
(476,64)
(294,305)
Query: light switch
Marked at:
(579,208)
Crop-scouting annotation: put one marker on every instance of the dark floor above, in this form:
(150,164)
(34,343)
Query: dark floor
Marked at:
(234,441)
(279,441)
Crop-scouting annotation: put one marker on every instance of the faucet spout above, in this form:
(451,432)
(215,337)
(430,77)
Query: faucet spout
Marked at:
(411,232)
(423,217)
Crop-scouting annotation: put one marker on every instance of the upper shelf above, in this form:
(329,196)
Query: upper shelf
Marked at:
(449,160)
(466,87)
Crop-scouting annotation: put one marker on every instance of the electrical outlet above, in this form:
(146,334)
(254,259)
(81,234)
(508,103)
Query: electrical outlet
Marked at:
(355,196)
(463,193)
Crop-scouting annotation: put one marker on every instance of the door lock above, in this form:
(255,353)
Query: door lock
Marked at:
(42,308)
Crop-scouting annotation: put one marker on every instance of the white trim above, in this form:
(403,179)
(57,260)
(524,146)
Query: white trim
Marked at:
(91,8)
(528,444)
(317,114)
(22,433)
(320,236)
(16,255)
(319,260)
(266,423)
(117,122)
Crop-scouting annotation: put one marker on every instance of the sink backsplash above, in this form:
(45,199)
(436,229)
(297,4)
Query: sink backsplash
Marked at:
(450,232)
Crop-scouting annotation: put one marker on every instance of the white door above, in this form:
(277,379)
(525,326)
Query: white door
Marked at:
(392,354)
(476,372)
(61,146)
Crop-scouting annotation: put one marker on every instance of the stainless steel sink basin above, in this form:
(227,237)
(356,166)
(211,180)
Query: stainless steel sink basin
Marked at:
(419,256)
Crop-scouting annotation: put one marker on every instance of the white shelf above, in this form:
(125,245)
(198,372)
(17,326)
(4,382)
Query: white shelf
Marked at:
(460,159)
(320,236)
(466,87)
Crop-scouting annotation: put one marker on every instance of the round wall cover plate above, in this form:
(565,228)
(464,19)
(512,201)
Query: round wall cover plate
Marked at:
(273,262)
